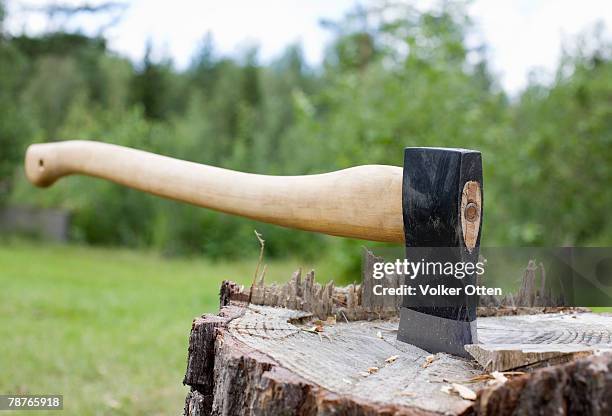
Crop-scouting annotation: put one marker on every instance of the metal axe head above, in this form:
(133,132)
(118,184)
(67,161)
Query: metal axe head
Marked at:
(442,214)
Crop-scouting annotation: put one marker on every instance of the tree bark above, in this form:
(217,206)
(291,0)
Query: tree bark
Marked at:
(582,387)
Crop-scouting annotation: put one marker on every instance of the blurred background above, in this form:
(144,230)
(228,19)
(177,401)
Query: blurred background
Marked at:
(99,283)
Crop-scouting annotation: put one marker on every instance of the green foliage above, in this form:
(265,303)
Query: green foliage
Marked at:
(392,77)
(151,87)
(565,149)
(14,126)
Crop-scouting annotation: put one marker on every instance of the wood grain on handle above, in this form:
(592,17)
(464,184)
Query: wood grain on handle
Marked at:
(362,202)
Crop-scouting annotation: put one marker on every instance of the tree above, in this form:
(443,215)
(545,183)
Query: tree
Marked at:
(151,87)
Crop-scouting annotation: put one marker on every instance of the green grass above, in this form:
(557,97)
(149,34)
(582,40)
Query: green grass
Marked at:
(106,328)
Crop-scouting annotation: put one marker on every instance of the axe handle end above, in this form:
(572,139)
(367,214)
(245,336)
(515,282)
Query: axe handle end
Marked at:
(364,202)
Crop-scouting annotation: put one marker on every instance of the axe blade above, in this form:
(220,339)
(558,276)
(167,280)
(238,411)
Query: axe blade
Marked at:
(442,214)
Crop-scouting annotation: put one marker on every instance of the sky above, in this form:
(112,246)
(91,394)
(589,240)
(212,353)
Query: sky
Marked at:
(521,35)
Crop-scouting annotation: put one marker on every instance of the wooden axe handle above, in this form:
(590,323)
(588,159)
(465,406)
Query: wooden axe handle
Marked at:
(362,202)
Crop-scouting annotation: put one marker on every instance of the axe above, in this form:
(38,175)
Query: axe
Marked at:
(433,205)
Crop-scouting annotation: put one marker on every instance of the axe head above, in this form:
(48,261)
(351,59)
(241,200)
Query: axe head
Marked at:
(442,213)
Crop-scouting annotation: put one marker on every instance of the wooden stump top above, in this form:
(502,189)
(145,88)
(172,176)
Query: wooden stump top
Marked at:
(308,349)
(361,359)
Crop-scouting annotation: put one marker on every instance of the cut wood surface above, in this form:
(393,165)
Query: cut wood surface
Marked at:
(281,334)
(524,341)
(249,360)
(471,207)
(359,358)
(525,337)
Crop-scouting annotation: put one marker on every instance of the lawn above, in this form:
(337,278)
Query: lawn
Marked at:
(106,328)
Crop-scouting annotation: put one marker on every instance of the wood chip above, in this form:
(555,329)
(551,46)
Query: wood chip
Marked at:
(379,335)
(465,392)
(446,389)
(316,328)
(372,370)
(391,359)
(499,377)
(428,360)
(479,378)
(344,316)
(492,377)
(407,394)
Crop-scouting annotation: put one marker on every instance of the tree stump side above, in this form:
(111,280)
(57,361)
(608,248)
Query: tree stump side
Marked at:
(227,377)
(582,387)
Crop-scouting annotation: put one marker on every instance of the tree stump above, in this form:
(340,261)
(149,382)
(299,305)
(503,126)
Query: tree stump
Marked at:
(306,349)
